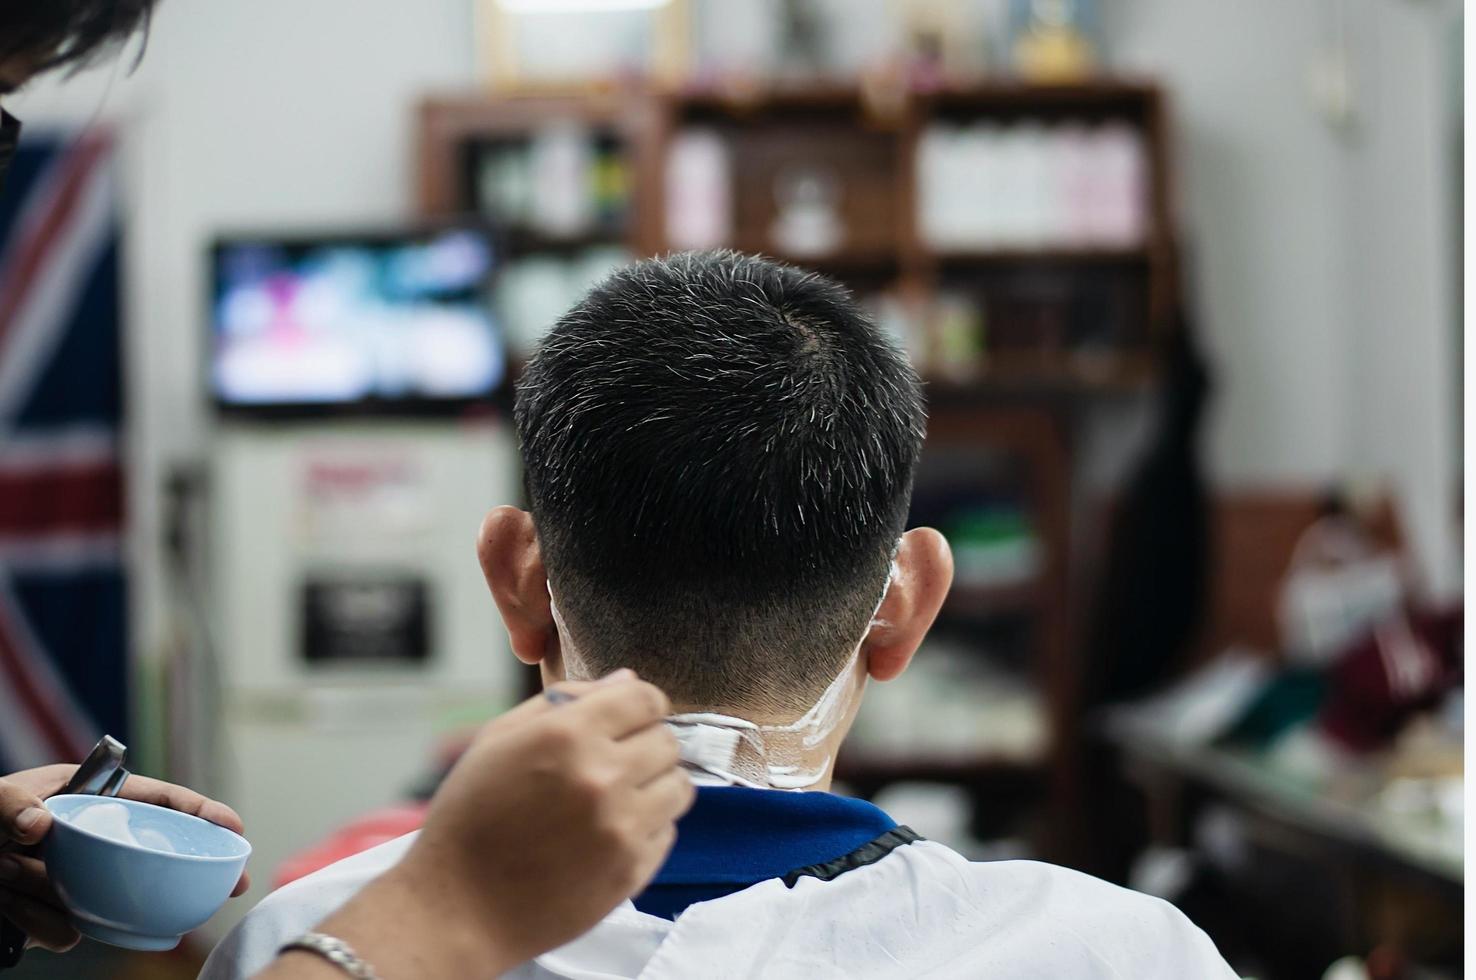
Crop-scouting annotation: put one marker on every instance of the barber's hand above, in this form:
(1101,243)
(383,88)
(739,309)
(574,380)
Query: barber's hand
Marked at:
(26,896)
(556,814)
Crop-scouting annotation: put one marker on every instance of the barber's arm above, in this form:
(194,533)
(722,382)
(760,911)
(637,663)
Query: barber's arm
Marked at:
(26,896)
(556,814)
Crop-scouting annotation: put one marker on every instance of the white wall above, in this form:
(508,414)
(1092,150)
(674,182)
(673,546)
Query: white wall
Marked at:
(1259,222)
(1402,273)
(1324,256)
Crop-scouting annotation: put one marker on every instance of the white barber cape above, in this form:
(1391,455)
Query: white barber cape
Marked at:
(920,911)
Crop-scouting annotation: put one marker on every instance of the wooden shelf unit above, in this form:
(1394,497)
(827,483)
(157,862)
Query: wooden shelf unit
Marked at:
(1019,402)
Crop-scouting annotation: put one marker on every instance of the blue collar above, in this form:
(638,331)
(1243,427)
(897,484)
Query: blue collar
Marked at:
(734,837)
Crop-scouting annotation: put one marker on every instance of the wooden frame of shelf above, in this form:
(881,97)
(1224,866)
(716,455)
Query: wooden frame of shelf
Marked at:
(647,120)
(1039,439)
(918,269)
(447,125)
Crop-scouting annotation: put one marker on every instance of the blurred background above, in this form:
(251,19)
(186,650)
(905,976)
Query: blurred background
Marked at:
(1182,277)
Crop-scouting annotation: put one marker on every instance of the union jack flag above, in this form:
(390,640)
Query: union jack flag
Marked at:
(63,636)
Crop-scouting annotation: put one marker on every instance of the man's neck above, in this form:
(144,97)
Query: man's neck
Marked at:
(744,751)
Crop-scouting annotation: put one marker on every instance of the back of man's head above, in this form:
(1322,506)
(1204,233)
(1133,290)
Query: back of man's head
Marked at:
(719,453)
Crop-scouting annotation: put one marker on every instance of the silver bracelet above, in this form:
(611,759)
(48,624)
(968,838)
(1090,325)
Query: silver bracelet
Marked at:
(335,951)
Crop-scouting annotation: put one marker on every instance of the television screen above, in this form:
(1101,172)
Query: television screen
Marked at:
(388,322)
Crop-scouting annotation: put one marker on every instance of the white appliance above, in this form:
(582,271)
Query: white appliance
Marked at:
(353,626)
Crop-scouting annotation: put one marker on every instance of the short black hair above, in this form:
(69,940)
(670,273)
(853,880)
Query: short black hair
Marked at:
(718,452)
(71,33)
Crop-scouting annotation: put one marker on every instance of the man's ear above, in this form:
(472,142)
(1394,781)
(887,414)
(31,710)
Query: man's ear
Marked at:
(916,593)
(507,547)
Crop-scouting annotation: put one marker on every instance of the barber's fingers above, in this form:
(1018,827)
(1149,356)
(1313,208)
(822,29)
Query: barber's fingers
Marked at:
(156,791)
(45,924)
(618,709)
(25,789)
(646,855)
(160,793)
(651,752)
(662,842)
(657,846)
(27,876)
(664,799)
(22,817)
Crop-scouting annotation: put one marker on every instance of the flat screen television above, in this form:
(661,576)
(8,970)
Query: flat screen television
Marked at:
(379,323)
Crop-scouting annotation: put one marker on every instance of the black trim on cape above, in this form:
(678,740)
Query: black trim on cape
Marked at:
(868,853)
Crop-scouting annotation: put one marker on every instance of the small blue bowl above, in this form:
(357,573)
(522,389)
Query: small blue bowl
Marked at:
(144,893)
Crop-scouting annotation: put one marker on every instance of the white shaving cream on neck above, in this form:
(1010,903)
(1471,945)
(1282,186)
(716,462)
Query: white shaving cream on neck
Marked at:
(719,749)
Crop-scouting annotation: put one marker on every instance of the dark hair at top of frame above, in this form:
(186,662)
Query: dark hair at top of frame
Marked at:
(70,33)
(712,431)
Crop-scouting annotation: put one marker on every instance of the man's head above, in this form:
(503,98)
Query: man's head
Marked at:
(719,453)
